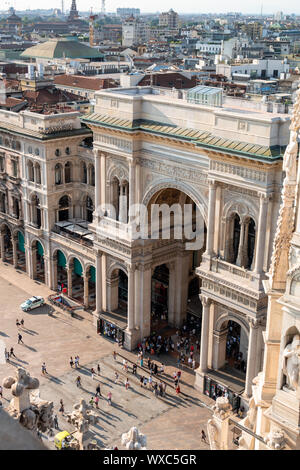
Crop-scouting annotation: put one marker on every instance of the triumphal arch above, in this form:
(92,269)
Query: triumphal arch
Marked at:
(154,148)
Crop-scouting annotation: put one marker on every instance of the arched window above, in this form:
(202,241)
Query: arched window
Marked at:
(57,152)
(3,202)
(58,173)
(236,237)
(38,173)
(36,211)
(250,243)
(63,208)
(68,172)
(37,151)
(30,149)
(89,209)
(30,171)
(68,151)
(92,175)
(83,173)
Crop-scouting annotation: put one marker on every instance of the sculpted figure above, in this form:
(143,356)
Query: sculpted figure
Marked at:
(291,363)
(290,157)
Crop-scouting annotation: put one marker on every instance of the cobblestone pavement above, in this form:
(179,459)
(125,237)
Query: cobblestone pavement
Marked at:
(169,423)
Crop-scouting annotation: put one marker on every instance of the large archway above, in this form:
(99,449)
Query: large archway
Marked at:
(21,258)
(75,281)
(61,270)
(38,262)
(177,229)
(6,244)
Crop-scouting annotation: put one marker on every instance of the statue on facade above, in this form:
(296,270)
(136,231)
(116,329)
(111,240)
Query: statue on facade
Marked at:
(290,158)
(291,363)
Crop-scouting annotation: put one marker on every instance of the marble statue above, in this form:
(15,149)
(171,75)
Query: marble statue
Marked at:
(134,440)
(26,406)
(290,158)
(291,363)
(275,440)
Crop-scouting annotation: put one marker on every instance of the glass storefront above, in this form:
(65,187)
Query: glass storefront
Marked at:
(214,390)
(110,331)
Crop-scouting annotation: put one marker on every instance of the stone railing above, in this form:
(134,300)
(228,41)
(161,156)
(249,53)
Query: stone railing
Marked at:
(242,274)
(81,246)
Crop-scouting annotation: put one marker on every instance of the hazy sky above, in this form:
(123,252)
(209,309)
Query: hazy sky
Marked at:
(188,6)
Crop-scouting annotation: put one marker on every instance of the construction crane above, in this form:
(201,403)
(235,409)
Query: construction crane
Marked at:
(91,27)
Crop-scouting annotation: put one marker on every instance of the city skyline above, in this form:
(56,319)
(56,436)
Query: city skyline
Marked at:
(269,6)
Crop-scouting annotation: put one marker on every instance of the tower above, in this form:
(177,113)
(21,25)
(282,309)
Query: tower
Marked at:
(73,12)
(62,7)
(103,7)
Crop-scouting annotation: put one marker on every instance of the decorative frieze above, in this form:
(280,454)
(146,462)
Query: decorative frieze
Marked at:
(113,142)
(178,172)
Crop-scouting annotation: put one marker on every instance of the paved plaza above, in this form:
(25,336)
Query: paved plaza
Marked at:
(173,422)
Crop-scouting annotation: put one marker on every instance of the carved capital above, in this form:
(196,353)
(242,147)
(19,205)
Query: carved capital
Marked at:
(206,301)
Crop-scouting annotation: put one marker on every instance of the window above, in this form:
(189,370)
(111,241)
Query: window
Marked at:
(57,152)
(30,149)
(2,163)
(15,168)
(68,151)
(58,174)
(68,175)
(37,151)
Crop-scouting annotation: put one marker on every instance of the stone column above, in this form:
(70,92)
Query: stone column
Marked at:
(97,180)
(204,333)
(211,217)
(70,273)
(53,267)
(130,304)
(98,288)
(239,259)
(132,196)
(15,251)
(85,276)
(261,233)
(33,261)
(2,245)
(145,308)
(137,182)
(123,203)
(252,355)
(172,293)
(137,297)
(103,179)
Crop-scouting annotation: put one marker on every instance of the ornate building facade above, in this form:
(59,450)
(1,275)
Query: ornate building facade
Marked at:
(72,205)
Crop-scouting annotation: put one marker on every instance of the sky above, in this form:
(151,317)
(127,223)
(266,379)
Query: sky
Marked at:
(188,6)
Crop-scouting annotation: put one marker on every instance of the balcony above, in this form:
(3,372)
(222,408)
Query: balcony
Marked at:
(75,230)
(232,273)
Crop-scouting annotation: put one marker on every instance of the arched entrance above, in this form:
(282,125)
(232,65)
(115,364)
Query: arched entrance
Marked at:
(38,263)
(159,297)
(178,232)
(21,258)
(64,208)
(91,294)
(6,244)
(62,276)
(75,281)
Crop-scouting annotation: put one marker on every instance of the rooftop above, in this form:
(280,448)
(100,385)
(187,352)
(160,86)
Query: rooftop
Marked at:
(60,48)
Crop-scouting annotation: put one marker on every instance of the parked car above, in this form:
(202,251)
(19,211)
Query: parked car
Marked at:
(33,302)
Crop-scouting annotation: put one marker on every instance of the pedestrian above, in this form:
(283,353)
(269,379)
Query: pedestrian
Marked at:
(149,363)
(78,381)
(93,373)
(12,352)
(76,362)
(141,361)
(193,364)
(22,323)
(62,407)
(17,323)
(164,387)
(20,339)
(55,422)
(203,436)
(109,395)
(162,369)
(116,377)
(141,380)
(150,382)
(96,399)
(98,391)
(77,358)
(44,370)
(1,391)
(91,402)
(126,384)
(177,389)
(179,375)
(98,369)
(71,362)
(134,368)
(145,381)
(115,355)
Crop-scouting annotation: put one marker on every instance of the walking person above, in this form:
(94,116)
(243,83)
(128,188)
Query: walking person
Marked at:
(71,362)
(55,422)
(44,370)
(116,377)
(98,369)
(115,355)
(98,391)
(96,400)
(17,323)
(62,407)
(134,368)
(93,373)
(78,381)
(20,339)
(141,380)
(126,384)
(203,436)
(177,389)
(12,353)
(22,323)
(109,395)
